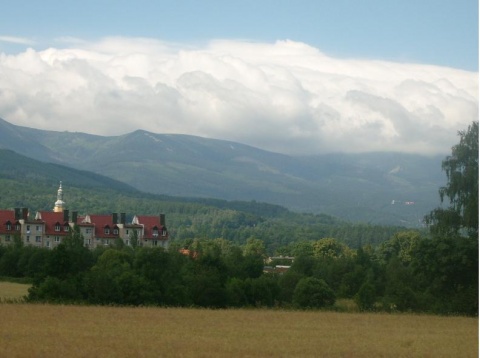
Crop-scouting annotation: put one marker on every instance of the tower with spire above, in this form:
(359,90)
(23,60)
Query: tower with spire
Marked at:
(59,204)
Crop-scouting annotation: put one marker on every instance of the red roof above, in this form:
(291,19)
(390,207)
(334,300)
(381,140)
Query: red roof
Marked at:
(101,223)
(80,221)
(5,217)
(51,219)
(152,225)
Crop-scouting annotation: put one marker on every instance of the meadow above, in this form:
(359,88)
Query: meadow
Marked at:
(11,291)
(35,330)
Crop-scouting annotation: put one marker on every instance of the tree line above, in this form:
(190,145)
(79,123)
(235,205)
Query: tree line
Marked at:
(406,273)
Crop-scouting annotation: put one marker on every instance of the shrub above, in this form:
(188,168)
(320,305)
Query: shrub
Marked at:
(365,297)
(312,292)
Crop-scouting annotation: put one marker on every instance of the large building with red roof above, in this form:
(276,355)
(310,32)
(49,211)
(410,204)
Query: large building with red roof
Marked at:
(49,228)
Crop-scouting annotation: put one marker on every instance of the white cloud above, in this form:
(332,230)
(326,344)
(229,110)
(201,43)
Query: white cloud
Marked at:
(286,96)
(16,40)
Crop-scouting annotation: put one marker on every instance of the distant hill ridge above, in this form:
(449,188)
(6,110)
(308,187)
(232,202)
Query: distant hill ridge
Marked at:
(369,187)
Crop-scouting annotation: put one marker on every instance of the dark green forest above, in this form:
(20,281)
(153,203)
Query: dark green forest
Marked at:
(189,218)
(406,273)
(381,268)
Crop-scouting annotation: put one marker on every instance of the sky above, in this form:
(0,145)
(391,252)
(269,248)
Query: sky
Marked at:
(297,77)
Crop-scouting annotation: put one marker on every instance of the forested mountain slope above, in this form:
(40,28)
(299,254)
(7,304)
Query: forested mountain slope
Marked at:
(187,218)
(383,188)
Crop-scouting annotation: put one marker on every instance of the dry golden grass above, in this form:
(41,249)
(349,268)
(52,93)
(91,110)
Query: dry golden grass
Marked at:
(13,291)
(29,330)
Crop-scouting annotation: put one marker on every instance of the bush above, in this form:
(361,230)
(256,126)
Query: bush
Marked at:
(312,292)
(365,297)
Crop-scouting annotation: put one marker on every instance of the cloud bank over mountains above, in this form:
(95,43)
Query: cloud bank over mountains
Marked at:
(285,96)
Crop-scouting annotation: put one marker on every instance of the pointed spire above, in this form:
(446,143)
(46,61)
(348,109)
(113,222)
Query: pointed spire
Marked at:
(59,204)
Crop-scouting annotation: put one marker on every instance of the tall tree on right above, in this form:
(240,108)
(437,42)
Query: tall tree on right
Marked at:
(461,167)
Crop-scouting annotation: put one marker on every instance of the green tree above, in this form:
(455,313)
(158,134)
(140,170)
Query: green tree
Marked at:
(365,297)
(236,292)
(330,248)
(402,245)
(254,246)
(262,291)
(399,291)
(312,292)
(461,168)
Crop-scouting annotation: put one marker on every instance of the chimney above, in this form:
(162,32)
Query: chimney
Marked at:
(17,214)
(25,213)
(162,219)
(115,218)
(74,216)
(122,218)
(65,215)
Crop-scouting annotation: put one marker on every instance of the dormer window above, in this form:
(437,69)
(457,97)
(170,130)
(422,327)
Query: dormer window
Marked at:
(115,230)
(66,228)
(164,232)
(155,231)
(57,227)
(17,227)
(106,230)
(9,225)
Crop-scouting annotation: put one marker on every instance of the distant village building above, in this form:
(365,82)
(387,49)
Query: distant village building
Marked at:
(49,228)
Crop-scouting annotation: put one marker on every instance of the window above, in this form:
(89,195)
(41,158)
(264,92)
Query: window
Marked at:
(115,231)
(27,239)
(28,229)
(88,231)
(106,231)
(155,231)
(164,232)
(127,232)
(17,227)
(155,242)
(66,228)
(9,226)
(38,228)
(89,241)
(57,238)
(106,242)
(57,227)
(7,238)
(47,244)
(127,242)
(38,239)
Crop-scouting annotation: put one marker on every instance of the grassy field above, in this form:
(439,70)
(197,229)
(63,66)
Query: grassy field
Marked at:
(31,330)
(12,291)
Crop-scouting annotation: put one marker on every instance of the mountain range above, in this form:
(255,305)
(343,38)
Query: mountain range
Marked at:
(380,188)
